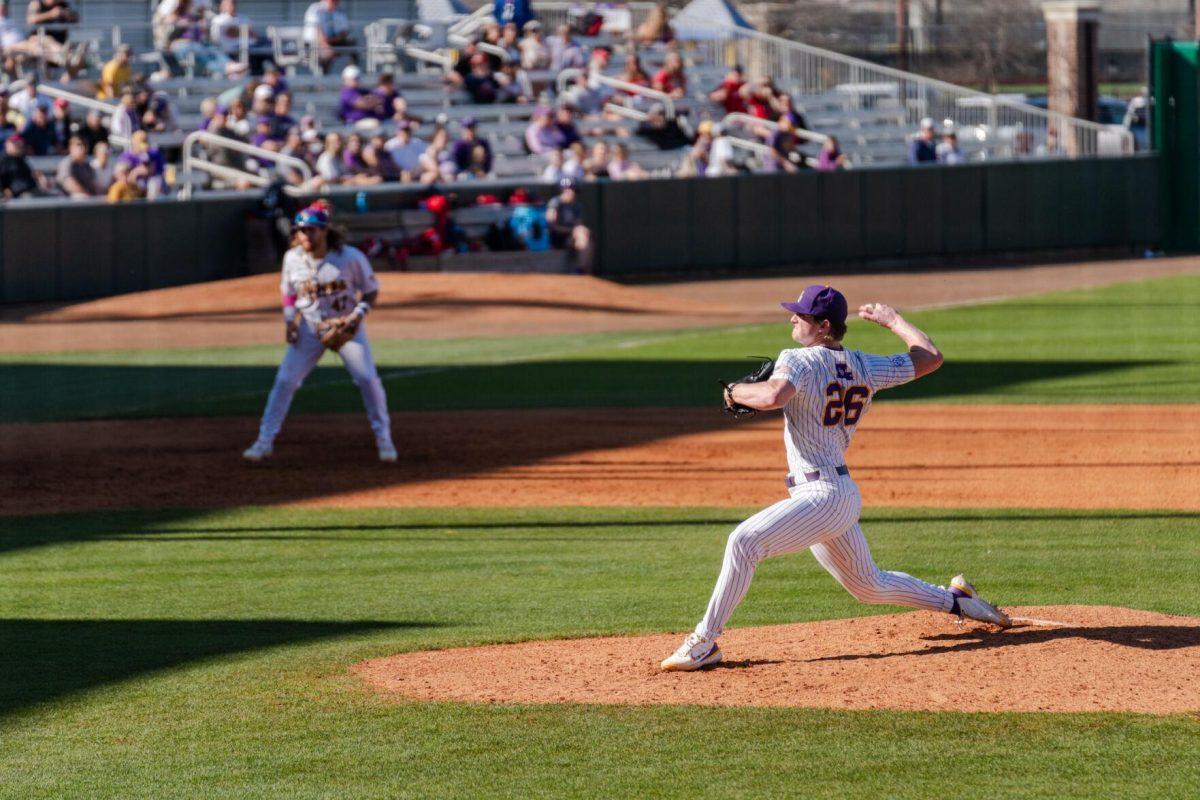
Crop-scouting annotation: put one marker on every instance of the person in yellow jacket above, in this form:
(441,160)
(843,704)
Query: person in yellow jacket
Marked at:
(116,74)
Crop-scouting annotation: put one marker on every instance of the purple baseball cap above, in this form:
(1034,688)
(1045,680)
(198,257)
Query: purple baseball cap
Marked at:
(820,301)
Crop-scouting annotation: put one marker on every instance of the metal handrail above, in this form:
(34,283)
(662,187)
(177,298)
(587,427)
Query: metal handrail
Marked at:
(459,40)
(762,149)
(595,77)
(807,68)
(628,113)
(429,56)
(472,22)
(191,161)
(90,103)
(740,118)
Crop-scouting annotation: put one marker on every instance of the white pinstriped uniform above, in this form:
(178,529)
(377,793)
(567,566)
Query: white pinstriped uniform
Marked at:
(834,389)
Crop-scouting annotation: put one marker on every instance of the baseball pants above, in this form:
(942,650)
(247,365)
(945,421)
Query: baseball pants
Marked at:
(821,516)
(300,360)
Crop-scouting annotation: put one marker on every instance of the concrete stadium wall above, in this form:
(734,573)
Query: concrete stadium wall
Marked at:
(57,251)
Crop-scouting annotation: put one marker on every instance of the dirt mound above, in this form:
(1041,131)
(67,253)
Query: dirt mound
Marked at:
(1056,658)
(1067,456)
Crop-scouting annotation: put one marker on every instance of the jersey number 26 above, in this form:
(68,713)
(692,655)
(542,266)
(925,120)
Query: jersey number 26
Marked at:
(844,405)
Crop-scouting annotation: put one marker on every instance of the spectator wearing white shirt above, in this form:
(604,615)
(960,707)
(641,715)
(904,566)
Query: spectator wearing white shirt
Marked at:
(565,52)
(405,149)
(326,28)
(948,151)
(29,98)
(534,52)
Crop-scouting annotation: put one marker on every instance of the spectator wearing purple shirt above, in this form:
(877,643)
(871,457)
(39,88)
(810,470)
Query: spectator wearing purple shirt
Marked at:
(146,163)
(281,117)
(465,147)
(564,121)
(355,102)
(542,135)
(386,93)
(831,158)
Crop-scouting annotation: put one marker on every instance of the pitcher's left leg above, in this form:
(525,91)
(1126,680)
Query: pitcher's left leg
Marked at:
(848,558)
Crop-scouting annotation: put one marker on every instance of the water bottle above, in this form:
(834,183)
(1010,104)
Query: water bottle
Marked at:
(360,202)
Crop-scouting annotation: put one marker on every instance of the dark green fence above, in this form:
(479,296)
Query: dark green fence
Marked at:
(67,251)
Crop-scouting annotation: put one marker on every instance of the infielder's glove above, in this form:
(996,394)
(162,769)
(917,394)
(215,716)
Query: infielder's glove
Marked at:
(335,332)
(737,410)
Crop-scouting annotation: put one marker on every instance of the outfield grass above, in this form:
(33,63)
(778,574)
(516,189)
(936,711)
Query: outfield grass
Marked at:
(174,653)
(1130,343)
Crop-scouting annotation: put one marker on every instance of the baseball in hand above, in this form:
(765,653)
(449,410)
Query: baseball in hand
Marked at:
(878,313)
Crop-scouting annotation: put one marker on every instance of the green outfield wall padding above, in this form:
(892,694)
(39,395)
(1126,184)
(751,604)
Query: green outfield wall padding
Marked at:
(1175,133)
(841,200)
(713,241)
(759,199)
(60,250)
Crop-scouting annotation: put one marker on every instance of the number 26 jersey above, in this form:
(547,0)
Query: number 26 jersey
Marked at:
(834,389)
(326,287)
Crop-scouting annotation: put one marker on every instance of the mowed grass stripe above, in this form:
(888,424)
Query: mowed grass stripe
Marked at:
(174,653)
(1129,343)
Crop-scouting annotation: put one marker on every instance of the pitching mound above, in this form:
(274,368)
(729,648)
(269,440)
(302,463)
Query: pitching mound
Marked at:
(1056,658)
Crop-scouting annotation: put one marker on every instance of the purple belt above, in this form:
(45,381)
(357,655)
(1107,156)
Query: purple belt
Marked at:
(815,475)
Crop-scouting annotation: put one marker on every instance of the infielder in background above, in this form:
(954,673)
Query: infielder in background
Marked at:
(328,287)
(824,391)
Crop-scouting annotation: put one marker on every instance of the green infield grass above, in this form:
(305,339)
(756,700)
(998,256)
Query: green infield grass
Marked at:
(205,654)
(1129,343)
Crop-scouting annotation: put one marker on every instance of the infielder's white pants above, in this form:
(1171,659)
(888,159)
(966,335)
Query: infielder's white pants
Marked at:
(821,516)
(299,361)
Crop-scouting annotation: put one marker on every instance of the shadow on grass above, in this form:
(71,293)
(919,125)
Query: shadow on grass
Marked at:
(1144,637)
(41,660)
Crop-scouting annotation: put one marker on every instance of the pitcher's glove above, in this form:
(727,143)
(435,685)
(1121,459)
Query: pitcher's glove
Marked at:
(335,332)
(737,410)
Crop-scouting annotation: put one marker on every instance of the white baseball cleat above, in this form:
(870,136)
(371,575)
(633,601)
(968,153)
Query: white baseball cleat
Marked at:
(387,450)
(695,653)
(258,451)
(971,605)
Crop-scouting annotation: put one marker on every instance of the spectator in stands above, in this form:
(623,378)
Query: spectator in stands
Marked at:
(163,13)
(697,157)
(463,150)
(51,16)
(510,41)
(406,150)
(17,178)
(281,116)
(671,79)
(564,121)
(585,97)
(116,74)
(187,38)
(125,119)
(154,109)
(511,88)
(29,98)
(565,52)
(39,135)
(385,91)
(238,119)
(92,131)
(785,107)
(729,93)
(294,146)
(922,149)
(75,175)
(11,37)
(124,188)
(326,28)
(761,98)
(596,165)
(480,82)
(553,172)
(574,159)
(663,133)
(262,135)
(633,73)
(147,165)
(7,116)
(722,160)
(273,78)
(831,158)
(655,28)
(225,31)
(542,136)
(436,162)
(362,173)
(620,168)
(785,153)
(534,52)
(564,217)
(102,167)
(60,119)
(262,100)
(380,161)
(356,103)
(330,165)
(948,151)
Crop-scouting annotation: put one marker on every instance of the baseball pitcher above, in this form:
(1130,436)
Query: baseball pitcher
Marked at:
(824,391)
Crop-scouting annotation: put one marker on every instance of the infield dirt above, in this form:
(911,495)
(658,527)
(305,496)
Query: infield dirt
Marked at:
(1059,658)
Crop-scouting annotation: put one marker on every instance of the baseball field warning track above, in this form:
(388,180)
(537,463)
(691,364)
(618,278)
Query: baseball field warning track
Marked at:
(1095,658)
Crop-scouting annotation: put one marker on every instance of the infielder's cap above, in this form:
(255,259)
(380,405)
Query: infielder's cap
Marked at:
(311,217)
(820,301)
